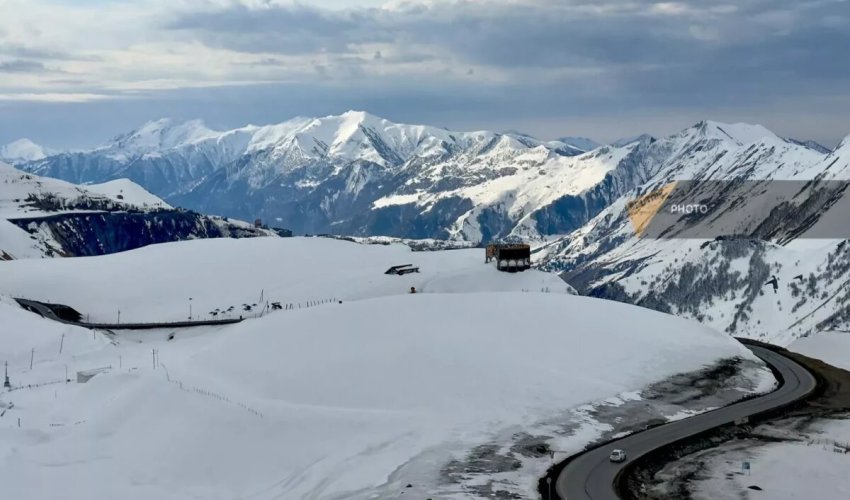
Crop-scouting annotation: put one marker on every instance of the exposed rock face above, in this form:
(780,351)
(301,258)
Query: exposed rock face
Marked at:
(88,234)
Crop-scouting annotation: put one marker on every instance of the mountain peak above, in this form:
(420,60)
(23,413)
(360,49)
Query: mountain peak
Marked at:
(22,150)
(171,126)
(740,133)
(355,117)
(359,115)
(163,133)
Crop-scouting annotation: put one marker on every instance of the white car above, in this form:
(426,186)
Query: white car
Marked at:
(617,456)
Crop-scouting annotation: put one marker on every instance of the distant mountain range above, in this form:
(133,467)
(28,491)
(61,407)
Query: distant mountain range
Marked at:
(361,175)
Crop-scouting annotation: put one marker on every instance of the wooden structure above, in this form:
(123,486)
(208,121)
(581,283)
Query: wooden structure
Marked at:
(509,257)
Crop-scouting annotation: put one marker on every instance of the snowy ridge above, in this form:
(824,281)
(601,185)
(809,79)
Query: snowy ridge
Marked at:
(161,134)
(741,133)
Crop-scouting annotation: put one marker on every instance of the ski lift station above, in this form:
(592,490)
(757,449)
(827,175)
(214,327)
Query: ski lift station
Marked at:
(509,257)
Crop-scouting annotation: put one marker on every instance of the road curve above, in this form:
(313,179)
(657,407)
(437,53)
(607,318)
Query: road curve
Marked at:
(591,476)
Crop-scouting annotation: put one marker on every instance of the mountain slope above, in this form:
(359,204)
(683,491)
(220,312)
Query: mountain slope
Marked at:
(42,217)
(727,282)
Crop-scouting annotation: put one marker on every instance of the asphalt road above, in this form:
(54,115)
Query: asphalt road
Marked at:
(590,476)
(46,312)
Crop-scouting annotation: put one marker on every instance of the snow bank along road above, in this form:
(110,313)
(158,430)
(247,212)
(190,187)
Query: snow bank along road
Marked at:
(591,475)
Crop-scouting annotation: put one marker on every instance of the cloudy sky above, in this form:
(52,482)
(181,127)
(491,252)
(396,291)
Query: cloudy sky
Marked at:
(75,72)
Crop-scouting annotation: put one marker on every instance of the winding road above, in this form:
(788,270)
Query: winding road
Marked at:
(590,476)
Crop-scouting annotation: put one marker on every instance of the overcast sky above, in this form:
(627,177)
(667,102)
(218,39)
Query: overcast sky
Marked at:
(74,73)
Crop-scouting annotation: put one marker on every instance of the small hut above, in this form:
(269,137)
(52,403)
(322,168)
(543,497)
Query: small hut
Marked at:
(509,257)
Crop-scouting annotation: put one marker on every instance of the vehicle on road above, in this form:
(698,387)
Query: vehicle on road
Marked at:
(617,456)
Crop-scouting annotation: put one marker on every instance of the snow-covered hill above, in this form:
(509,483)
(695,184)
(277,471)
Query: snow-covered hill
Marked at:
(452,390)
(359,174)
(288,270)
(128,192)
(44,217)
(722,281)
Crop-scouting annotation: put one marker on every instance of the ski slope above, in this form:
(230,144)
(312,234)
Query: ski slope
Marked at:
(351,400)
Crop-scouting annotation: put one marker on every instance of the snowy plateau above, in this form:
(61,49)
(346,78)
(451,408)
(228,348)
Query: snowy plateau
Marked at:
(361,390)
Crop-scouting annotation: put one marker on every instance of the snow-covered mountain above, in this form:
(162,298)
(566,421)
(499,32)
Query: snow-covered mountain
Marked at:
(727,282)
(359,174)
(22,151)
(43,217)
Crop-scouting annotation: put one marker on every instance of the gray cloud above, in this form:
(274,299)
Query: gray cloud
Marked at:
(283,29)
(17,50)
(579,67)
(669,52)
(22,66)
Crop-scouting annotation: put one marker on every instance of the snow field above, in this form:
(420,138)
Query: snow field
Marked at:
(337,401)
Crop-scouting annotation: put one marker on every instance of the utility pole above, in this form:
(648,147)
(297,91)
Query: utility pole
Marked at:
(190,308)
(32,356)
